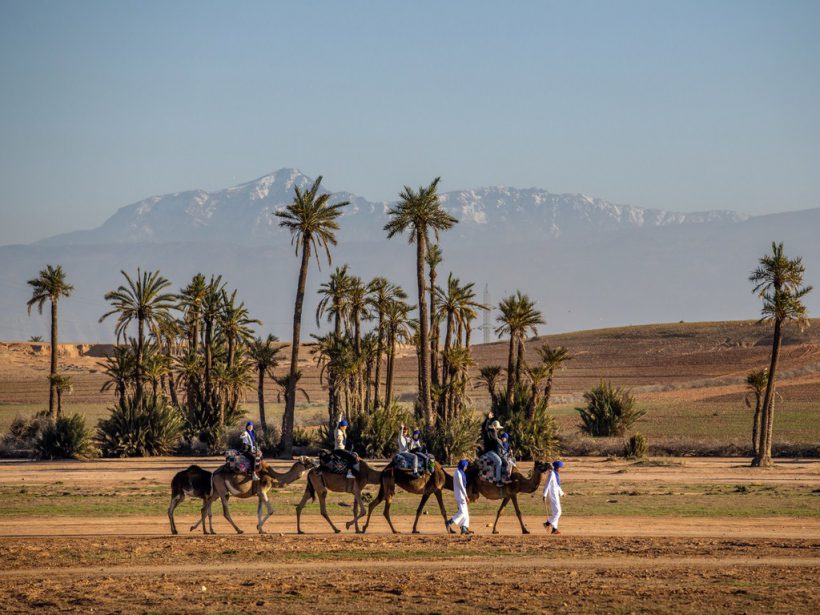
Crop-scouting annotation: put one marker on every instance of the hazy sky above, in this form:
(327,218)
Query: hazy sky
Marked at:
(679,105)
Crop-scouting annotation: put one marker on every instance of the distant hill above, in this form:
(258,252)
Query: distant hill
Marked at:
(588,263)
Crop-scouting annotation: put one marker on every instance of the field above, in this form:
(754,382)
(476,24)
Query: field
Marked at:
(677,533)
(690,535)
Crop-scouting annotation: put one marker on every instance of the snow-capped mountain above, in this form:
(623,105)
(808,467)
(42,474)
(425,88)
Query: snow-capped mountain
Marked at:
(244,214)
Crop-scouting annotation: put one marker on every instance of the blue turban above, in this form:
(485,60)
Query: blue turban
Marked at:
(343,423)
(505,435)
(463,465)
(416,433)
(557,464)
(248,424)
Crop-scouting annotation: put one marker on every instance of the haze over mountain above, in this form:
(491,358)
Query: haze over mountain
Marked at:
(587,262)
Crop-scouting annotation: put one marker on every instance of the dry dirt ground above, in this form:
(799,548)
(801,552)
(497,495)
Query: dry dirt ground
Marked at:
(54,561)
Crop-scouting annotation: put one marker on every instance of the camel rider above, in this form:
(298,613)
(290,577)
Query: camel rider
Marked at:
(507,457)
(341,452)
(553,493)
(405,441)
(249,448)
(496,451)
(462,517)
(419,450)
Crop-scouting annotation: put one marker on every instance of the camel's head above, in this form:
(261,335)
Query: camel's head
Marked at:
(307,463)
(542,466)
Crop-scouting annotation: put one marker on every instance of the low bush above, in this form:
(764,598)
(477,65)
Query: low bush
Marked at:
(65,438)
(200,424)
(457,439)
(610,411)
(23,434)
(303,437)
(151,428)
(535,437)
(636,447)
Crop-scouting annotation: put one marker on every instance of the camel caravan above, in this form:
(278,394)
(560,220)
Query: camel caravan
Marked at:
(493,475)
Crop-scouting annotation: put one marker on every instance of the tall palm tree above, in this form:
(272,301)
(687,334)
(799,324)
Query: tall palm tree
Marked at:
(553,360)
(211,309)
(489,376)
(518,317)
(191,299)
(265,357)
(397,328)
(417,213)
(334,295)
(778,281)
(311,220)
(433,260)
(119,367)
(234,324)
(144,300)
(380,294)
(756,387)
(50,285)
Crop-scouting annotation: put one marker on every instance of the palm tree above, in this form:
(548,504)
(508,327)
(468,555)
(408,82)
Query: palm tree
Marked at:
(142,300)
(433,260)
(234,324)
(380,293)
(489,376)
(311,220)
(553,360)
(211,309)
(191,299)
(756,386)
(285,387)
(50,285)
(265,357)
(778,281)
(418,213)
(62,384)
(397,328)
(518,317)
(119,367)
(334,295)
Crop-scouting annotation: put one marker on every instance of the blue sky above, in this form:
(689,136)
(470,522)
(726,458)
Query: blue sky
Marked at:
(678,105)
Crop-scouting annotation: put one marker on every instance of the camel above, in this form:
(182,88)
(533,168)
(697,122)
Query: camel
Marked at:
(319,482)
(425,485)
(225,484)
(518,484)
(193,482)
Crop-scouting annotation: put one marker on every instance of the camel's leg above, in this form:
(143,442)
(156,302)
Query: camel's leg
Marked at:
(323,507)
(500,508)
(206,509)
(387,501)
(440,498)
(370,509)
(424,499)
(175,501)
(269,507)
(355,514)
(210,517)
(299,508)
(226,512)
(358,511)
(524,529)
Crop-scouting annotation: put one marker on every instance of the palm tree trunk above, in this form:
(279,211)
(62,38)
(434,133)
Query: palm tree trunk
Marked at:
(519,363)
(548,389)
(467,331)
(208,359)
(53,412)
(763,458)
(424,356)
(445,365)
(260,392)
(434,332)
(391,353)
(378,366)
(756,425)
(140,346)
(290,398)
(510,369)
(59,402)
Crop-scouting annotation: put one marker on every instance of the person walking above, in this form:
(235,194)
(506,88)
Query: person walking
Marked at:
(553,493)
(462,517)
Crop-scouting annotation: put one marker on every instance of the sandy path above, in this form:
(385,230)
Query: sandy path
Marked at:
(428,564)
(782,527)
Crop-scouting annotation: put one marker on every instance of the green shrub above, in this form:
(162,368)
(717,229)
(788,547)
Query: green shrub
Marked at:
(533,434)
(610,411)
(457,439)
(533,438)
(200,423)
(152,428)
(636,447)
(65,438)
(380,433)
(303,437)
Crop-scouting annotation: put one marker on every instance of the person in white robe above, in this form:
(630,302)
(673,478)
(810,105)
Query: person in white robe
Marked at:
(553,493)
(462,517)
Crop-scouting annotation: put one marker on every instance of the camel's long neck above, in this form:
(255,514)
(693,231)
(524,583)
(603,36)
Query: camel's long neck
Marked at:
(531,484)
(293,474)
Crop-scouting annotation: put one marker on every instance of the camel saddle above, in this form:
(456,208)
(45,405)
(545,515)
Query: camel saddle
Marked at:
(426,463)
(486,468)
(238,463)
